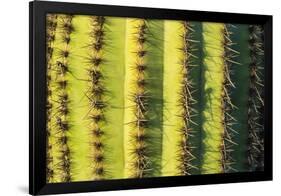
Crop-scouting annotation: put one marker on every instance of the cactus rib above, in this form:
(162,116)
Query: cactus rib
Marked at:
(51,26)
(256,103)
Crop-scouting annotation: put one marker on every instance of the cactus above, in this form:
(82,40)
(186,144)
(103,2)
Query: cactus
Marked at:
(135,98)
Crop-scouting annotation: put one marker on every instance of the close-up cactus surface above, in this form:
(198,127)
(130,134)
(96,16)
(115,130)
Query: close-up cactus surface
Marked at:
(138,98)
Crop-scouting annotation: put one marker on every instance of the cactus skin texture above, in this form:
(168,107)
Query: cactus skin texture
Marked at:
(137,98)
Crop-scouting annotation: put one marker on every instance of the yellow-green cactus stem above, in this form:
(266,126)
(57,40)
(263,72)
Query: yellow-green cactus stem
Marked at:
(105,73)
(187,102)
(60,100)
(154,86)
(80,62)
(143,98)
(255,102)
(136,96)
(52,105)
(95,95)
(181,121)
(79,103)
(95,146)
(173,77)
(62,121)
(218,120)
(213,129)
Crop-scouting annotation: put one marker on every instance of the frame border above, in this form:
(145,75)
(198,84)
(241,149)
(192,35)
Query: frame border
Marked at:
(37,97)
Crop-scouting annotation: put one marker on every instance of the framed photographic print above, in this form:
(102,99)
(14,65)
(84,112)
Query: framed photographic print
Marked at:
(127,97)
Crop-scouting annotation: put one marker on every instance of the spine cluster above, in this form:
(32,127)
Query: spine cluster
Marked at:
(96,95)
(256,97)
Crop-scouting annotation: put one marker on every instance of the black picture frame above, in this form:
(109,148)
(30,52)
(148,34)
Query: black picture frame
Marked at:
(37,97)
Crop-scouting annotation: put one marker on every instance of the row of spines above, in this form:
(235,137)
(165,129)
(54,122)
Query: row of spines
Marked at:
(96,96)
